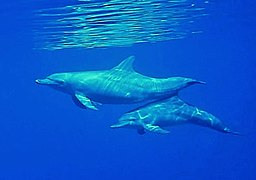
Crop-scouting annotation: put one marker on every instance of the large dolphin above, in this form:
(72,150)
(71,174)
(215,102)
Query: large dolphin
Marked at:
(155,116)
(119,85)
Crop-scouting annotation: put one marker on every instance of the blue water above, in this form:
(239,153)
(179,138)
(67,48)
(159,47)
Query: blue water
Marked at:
(44,136)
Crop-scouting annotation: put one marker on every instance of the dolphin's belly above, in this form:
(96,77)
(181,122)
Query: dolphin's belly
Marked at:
(115,98)
(164,122)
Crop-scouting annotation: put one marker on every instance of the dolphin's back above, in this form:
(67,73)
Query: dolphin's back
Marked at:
(113,86)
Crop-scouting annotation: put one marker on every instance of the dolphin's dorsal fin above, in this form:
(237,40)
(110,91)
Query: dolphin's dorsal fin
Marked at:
(125,65)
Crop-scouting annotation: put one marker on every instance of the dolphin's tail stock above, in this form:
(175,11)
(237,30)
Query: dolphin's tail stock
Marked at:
(206,119)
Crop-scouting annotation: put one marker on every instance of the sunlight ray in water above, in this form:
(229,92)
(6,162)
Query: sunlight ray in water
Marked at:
(115,23)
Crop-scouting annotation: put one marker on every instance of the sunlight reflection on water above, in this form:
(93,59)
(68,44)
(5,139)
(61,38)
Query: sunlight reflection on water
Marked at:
(115,23)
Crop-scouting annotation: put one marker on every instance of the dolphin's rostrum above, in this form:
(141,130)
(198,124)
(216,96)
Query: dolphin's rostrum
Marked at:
(119,85)
(155,116)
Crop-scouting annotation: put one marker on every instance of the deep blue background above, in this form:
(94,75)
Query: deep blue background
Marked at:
(43,135)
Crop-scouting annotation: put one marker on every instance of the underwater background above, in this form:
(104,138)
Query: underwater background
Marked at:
(44,136)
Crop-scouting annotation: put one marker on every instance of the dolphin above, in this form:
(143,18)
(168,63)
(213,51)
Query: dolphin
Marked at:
(119,85)
(154,116)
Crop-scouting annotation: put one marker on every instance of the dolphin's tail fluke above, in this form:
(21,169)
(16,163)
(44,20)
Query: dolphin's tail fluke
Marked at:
(227,130)
(189,81)
(175,84)
(193,81)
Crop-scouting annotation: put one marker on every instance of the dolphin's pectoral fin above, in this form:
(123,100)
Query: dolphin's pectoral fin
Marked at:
(141,131)
(77,102)
(156,129)
(96,103)
(84,102)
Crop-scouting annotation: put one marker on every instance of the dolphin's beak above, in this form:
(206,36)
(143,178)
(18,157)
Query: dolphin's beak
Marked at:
(44,81)
(120,124)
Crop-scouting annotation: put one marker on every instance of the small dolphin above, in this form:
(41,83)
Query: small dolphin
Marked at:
(119,85)
(154,116)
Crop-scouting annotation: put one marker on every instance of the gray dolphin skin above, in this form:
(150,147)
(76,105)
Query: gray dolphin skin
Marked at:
(154,116)
(119,85)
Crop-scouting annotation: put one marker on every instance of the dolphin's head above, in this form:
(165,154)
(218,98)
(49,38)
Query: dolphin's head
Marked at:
(129,120)
(58,81)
